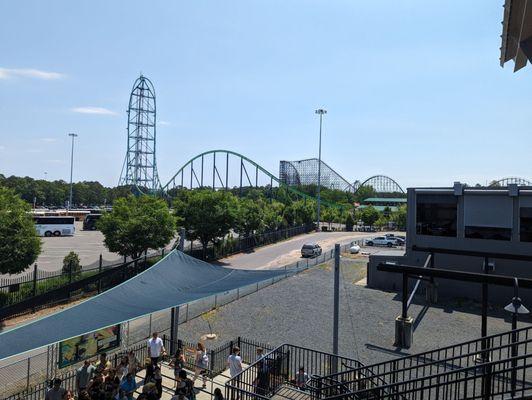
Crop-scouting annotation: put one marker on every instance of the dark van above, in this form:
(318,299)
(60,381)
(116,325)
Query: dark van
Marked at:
(89,224)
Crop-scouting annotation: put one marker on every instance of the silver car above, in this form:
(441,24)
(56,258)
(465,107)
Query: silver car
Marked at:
(311,250)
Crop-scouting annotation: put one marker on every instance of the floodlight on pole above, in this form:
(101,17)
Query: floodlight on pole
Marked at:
(72,135)
(320,112)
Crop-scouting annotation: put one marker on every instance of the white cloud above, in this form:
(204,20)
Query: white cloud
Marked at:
(49,139)
(9,73)
(2,148)
(93,110)
(163,123)
(33,150)
(55,161)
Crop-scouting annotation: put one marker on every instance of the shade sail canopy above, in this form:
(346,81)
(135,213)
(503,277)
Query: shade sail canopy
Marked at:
(177,279)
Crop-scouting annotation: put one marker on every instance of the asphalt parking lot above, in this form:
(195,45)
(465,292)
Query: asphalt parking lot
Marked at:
(87,244)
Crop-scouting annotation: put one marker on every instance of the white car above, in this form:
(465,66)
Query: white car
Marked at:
(381,241)
(354,249)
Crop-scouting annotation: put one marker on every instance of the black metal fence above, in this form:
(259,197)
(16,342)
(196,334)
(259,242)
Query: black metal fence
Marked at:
(43,293)
(278,372)
(239,244)
(40,289)
(217,362)
(466,370)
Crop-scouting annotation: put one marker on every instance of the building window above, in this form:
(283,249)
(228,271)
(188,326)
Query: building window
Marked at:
(436,215)
(488,232)
(525,224)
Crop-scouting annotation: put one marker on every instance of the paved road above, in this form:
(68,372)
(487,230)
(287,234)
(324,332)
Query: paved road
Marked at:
(283,253)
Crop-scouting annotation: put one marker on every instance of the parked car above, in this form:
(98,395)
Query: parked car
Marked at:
(354,249)
(381,241)
(311,250)
(89,224)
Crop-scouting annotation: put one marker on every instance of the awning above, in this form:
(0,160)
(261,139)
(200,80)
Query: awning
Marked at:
(177,279)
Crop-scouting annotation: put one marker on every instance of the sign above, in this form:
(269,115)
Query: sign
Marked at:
(80,348)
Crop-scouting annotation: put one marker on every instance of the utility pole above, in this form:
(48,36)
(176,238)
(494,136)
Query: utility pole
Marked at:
(320,112)
(336,313)
(72,135)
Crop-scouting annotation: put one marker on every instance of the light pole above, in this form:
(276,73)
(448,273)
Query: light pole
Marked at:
(320,112)
(72,135)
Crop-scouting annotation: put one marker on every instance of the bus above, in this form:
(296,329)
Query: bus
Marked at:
(54,226)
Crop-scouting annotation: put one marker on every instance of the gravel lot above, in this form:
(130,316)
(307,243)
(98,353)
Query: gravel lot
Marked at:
(299,311)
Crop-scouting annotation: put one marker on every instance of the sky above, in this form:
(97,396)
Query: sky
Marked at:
(413,89)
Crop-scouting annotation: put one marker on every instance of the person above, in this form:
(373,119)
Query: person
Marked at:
(95,388)
(128,385)
(150,390)
(121,395)
(218,394)
(301,378)
(123,368)
(132,362)
(155,348)
(148,366)
(112,382)
(103,364)
(84,375)
(185,386)
(234,362)
(201,364)
(56,392)
(178,362)
(260,354)
(68,395)
(158,380)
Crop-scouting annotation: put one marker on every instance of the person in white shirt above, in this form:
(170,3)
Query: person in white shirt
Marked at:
(234,362)
(155,348)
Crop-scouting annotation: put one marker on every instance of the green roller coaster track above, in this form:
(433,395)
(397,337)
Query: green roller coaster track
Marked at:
(272,177)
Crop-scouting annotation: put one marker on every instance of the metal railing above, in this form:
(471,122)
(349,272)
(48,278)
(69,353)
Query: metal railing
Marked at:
(278,369)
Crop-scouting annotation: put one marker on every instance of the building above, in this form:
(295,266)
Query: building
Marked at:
(476,224)
(517,33)
(381,203)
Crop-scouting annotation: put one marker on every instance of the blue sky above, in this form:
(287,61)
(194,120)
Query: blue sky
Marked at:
(413,88)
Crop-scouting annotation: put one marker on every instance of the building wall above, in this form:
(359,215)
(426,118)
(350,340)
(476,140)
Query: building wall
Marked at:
(499,209)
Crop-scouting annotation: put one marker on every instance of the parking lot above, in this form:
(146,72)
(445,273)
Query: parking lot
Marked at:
(87,244)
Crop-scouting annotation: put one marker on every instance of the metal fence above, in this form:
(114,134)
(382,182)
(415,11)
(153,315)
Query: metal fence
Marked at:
(26,372)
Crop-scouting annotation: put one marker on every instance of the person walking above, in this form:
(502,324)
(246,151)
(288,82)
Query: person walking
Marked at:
(155,348)
(234,362)
(178,362)
(201,364)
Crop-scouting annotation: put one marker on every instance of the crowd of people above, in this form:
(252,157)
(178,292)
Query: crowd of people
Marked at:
(102,381)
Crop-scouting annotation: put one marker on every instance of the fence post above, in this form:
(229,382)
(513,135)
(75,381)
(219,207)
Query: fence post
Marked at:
(145,257)
(212,364)
(69,277)
(162,252)
(28,374)
(100,265)
(35,281)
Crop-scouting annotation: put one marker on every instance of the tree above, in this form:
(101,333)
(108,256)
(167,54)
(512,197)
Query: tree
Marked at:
(137,224)
(208,215)
(365,192)
(369,215)
(71,264)
(349,222)
(19,244)
(249,217)
(273,215)
(399,217)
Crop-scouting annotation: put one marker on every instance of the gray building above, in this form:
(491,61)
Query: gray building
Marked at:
(497,221)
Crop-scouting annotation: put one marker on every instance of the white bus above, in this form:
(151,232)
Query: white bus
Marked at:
(55,226)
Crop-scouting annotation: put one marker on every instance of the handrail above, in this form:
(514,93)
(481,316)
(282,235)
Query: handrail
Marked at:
(444,349)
